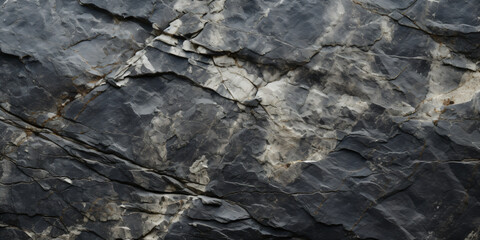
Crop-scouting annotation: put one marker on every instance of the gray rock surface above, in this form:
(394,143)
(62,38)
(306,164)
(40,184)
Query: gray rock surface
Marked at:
(240,119)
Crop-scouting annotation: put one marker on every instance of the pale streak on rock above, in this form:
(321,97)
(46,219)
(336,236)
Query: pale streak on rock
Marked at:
(199,173)
(167,39)
(296,118)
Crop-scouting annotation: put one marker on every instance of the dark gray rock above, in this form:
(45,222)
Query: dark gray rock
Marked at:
(225,119)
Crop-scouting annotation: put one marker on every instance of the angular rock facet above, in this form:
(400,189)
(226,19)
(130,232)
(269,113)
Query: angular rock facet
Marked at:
(225,119)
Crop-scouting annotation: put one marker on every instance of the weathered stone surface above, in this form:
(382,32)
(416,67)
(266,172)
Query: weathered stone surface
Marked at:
(223,119)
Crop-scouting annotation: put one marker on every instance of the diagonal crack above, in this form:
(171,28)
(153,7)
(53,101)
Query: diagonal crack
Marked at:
(51,134)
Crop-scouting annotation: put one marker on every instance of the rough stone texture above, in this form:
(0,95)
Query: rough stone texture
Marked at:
(239,119)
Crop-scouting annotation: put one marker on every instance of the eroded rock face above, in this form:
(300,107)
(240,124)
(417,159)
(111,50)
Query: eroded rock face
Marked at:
(239,119)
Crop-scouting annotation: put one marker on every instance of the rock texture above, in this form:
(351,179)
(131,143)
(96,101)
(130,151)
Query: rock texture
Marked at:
(240,119)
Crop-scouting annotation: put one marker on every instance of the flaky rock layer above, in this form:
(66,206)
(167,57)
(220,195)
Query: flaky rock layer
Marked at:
(239,119)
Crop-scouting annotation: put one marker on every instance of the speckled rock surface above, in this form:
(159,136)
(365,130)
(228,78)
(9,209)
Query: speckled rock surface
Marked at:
(240,119)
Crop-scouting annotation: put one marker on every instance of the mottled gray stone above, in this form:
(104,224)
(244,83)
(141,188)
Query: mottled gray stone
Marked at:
(223,119)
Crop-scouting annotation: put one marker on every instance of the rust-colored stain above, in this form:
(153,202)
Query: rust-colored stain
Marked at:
(448,101)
